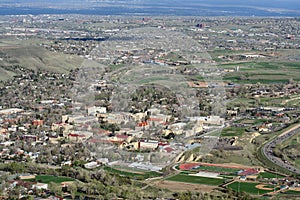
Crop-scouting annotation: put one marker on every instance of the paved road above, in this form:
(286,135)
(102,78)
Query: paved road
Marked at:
(269,146)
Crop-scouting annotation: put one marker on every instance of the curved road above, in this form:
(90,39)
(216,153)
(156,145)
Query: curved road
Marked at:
(269,146)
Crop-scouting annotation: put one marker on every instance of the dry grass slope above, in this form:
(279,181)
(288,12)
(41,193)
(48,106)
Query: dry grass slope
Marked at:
(34,57)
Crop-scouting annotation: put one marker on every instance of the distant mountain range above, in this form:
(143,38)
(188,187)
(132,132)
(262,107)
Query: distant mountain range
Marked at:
(154,7)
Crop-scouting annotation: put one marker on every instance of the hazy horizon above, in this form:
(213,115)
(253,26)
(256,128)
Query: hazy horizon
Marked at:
(150,7)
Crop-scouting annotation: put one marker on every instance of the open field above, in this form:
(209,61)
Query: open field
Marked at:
(248,187)
(196,179)
(48,179)
(287,101)
(241,102)
(181,186)
(263,72)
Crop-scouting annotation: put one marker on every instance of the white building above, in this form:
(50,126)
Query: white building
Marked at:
(148,167)
(148,144)
(40,186)
(214,120)
(93,111)
(91,165)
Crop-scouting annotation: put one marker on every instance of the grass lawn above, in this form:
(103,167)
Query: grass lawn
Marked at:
(48,179)
(269,175)
(242,102)
(196,179)
(232,131)
(140,175)
(247,187)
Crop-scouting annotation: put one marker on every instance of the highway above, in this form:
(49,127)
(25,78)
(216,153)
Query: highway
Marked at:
(269,146)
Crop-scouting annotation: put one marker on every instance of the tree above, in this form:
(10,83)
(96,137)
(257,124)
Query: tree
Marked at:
(72,188)
(111,196)
(16,167)
(55,189)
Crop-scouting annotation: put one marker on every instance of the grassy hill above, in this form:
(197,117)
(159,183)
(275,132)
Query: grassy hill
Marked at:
(34,57)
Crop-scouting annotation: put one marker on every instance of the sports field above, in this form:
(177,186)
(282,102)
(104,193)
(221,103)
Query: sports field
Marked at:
(196,179)
(232,131)
(248,187)
(134,174)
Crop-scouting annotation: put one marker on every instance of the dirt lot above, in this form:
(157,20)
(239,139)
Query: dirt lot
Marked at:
(178,186)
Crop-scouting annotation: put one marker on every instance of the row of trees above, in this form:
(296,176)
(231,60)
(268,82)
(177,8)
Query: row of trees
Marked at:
(106,185)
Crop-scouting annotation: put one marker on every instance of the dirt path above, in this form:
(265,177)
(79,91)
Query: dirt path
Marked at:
(263,187)
(179,186)
(295,189)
